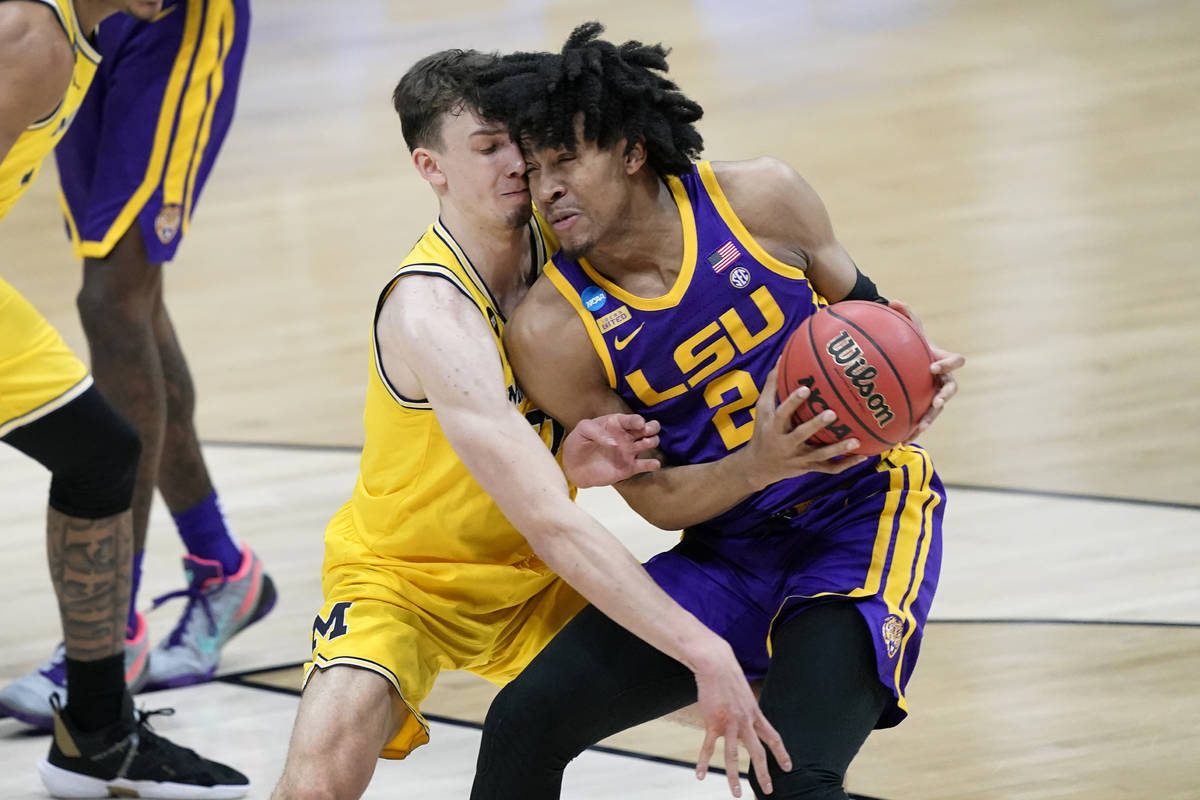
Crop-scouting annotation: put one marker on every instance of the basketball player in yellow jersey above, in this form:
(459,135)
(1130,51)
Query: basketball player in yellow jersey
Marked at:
(445,557)
(50,411)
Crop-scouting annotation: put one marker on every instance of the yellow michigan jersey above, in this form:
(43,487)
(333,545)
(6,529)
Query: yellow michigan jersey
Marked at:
(38,372)
(422,570)
(24,160)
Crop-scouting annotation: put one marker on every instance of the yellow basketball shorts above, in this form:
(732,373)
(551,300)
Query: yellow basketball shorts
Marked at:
(38,372)
(372,619)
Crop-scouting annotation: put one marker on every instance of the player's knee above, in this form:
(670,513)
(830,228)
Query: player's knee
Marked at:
(314,786)
(181,394)
(516,731)
(803,782)
(98,308)
(92,454)
(109,297)
(333,764)
(505,720)
(505,728)
(94,473)
(99,482)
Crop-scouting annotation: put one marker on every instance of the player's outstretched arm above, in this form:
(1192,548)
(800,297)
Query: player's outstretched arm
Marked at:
(429,333)
(35,68)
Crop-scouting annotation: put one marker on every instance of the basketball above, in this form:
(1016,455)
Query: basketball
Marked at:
(867,362)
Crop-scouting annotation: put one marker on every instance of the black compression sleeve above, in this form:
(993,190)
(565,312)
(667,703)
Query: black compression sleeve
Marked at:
(864,289)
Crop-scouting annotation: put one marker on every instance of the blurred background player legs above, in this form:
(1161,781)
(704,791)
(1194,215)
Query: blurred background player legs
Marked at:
(132,166)
(50,411)
(132,169)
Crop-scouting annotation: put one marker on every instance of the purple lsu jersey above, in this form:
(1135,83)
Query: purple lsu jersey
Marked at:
(696,358)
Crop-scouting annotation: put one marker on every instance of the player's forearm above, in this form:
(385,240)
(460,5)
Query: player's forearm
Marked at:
(678,497)
(600,568)
(497,449)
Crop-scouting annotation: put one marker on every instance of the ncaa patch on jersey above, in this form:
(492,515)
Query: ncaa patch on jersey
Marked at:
(593,298)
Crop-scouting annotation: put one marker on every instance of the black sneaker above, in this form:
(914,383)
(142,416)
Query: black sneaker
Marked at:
(128,759)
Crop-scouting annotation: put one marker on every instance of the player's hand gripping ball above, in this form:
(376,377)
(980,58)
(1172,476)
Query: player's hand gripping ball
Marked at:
(867,362)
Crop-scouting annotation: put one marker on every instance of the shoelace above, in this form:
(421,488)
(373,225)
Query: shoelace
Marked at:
(143,721)
(195,595)
(134,740)
(131,742)
(143,716)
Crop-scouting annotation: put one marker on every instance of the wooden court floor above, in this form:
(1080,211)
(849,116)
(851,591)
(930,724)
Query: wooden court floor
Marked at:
(1024,174)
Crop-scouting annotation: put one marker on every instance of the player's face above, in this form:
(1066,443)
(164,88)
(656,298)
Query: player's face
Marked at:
(484,170)
(141,9)
(581,191)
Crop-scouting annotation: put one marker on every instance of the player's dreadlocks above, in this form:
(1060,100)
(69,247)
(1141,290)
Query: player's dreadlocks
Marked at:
(620,91)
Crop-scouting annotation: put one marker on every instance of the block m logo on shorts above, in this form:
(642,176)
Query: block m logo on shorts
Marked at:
(334,626)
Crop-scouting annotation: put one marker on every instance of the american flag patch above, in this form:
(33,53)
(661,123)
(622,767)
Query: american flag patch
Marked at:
(723,256)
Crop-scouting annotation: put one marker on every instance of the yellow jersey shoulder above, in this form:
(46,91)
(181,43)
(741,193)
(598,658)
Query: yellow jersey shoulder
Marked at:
(24,160)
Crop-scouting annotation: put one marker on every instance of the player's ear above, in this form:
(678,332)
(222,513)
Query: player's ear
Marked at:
(428,167)
(635,156)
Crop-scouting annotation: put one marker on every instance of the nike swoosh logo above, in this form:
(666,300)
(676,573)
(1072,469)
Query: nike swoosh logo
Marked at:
(162,14)
(622,343)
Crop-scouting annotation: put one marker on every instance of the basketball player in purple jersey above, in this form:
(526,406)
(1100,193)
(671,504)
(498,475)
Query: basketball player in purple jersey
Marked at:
(131,168)
(673,294)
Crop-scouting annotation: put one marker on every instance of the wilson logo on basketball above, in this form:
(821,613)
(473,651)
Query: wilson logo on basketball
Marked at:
(849,356)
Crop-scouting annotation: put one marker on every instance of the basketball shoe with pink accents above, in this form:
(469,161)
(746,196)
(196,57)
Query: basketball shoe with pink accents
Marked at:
(28,697)
(218,607)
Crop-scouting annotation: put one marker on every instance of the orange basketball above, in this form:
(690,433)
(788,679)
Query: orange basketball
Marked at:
(867,362)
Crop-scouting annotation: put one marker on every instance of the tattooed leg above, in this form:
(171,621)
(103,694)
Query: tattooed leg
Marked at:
(90,563)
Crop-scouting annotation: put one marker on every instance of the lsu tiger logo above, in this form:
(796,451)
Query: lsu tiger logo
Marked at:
(167,222)
(893,630)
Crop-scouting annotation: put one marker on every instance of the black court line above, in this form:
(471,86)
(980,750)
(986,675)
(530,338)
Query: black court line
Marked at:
(241,679)
(1034,621)
(1102,498)
(1013,490)
(244,677)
